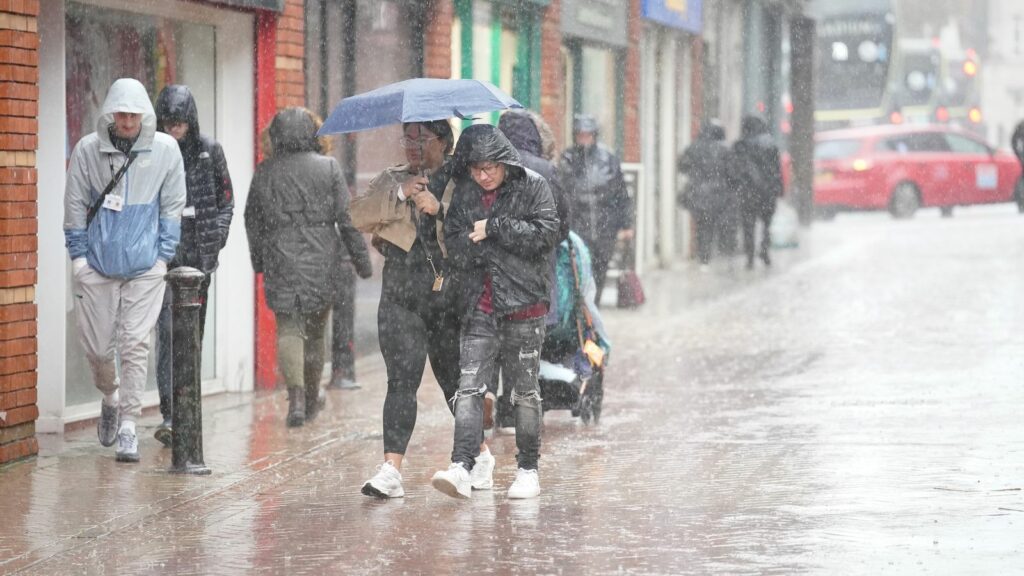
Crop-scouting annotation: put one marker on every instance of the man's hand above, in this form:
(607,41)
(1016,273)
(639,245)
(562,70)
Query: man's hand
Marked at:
(479,231)
(426,202)
(626,234)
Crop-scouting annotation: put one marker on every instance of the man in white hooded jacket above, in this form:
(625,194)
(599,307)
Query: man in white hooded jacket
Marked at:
(120,243)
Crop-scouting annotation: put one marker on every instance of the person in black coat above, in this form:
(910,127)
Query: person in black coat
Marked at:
(600,205)
(706,162)
(209,207)
(297,207)
(758,173)
(500,232)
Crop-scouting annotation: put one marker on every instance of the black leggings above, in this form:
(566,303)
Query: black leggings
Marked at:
(409,333)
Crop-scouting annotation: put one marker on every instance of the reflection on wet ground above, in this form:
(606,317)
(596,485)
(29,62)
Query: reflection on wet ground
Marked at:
(856,409)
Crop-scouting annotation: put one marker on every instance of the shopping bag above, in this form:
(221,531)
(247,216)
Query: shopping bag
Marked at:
(631,291)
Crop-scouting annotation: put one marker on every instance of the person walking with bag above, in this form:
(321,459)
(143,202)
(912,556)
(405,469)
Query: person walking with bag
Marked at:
(297,206)
(405,208)
(500,233)
(123,201)
(205,222)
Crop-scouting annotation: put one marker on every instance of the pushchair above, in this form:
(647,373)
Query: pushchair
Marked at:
(576,346)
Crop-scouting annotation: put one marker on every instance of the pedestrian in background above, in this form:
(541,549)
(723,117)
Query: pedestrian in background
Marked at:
(123,200)
(601,208)
(405,207)
(297,206)
(758,174)
(706,162)
(500,232)
(205,222)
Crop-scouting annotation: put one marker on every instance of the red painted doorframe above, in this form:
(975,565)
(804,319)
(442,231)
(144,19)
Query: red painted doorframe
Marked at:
(266,107)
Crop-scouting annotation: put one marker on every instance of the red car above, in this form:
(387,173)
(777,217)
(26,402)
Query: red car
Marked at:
(903,168)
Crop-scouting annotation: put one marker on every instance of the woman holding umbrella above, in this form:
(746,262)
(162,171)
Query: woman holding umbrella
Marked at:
(404,208)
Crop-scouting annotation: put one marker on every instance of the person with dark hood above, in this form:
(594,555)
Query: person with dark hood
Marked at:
(500,232)
(123,201)
(758,175)
(405,209)
(297,207)
(706,162)
(601,208)
(205,221)
(1017,143)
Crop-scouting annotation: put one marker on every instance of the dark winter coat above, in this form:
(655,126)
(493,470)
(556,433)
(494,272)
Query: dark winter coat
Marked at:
(519,127)
(522,227)
(210,201)
(758,170)
(707,163)
(297,207)
(599,202)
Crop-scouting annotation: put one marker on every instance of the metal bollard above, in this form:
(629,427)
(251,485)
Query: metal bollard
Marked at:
(187,439)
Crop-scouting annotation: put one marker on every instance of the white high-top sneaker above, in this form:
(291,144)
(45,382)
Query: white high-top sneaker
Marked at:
(386,483)
(526,485)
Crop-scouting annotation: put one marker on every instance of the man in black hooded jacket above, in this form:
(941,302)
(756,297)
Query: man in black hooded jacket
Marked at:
(500,231)
(209,206)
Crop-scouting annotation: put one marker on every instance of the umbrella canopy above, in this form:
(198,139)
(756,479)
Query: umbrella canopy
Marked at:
(416,100)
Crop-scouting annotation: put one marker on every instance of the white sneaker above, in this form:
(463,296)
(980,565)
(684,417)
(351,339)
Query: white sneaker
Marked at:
(526,485)
(454,481)
(482,475)
(386,483)
(127,445)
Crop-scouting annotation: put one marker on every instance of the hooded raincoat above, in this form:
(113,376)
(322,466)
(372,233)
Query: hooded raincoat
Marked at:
(522,130)
(125,243)
(522,227)
(210,199)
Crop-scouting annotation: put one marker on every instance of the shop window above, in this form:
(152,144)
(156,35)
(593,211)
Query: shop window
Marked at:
(102,45)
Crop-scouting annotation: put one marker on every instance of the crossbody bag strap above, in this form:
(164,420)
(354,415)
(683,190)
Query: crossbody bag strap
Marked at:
(95,208)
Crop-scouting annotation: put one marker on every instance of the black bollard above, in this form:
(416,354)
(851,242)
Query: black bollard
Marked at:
(187,439)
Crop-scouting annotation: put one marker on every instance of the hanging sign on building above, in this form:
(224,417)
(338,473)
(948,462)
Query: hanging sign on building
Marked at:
(681,14)
(275,5)
(598,20)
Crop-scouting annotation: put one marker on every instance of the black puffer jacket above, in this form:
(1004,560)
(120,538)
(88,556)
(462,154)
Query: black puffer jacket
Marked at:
(521,130)
(522,226)
(707,162)
(297,207)
(598,199)
(757,171)
(210,197)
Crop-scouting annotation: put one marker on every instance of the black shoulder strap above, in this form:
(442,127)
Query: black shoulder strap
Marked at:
(110,186)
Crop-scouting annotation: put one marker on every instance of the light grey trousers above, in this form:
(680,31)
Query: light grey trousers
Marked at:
(115,318)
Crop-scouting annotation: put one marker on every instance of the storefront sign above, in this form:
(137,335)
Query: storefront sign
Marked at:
(598,20)
(275,5)
(681,14)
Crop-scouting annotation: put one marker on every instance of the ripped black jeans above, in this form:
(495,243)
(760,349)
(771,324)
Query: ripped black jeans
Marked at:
(489,344)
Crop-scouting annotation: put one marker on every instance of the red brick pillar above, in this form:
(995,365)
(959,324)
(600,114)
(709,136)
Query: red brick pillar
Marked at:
(291,53)
(437,39)
(631,112)
(552,72)
(19,107)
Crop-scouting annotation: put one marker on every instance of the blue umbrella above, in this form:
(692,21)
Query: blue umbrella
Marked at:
(416,100)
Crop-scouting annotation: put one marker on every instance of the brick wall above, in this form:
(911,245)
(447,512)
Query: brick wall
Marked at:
(19,97)
(437,39)
(552,72)
(631,112)
(290,88)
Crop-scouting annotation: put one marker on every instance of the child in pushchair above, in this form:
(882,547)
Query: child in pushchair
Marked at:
(576,346)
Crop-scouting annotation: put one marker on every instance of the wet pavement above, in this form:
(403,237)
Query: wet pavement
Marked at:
(856,409)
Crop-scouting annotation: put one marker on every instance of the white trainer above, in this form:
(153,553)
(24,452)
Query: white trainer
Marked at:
(526,485)
(127,445)
(482,475)
(386,483)
(454,481)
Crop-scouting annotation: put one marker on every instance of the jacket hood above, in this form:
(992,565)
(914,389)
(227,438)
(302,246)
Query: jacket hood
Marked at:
(484,143)
(585,123)
(752,126)
(521,130)
(712,130)
(127,95)
(177,103)
(293,130)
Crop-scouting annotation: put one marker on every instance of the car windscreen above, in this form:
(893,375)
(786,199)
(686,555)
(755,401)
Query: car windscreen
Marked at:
(836,149)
